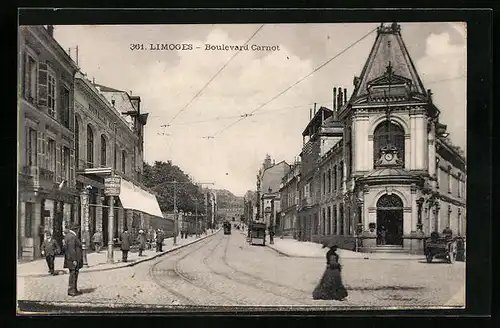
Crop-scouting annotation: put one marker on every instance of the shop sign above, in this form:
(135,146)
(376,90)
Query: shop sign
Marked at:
(112,186)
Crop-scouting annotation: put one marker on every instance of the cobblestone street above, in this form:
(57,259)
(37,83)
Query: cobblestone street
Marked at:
(226,270)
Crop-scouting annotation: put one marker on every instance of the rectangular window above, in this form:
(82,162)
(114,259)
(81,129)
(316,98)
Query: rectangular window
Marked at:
(28,220)
(64,107)
(335,231)
(65,163)
(31,147)
(329,220)
(449,216)
(335,178)
(341,168)
(52,155)
(341,217)
(450,177)
(51,95)
(323,222)
(329,180)
(30,82)
(324,183)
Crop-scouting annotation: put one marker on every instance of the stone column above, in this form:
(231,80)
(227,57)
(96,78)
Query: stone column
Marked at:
(431,154)
(414,209)
(337,225)
(408,154)
(413,139)
(98,213)
(369,152)
(421,141)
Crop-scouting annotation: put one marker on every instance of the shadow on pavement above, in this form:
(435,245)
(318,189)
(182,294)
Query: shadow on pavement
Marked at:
(87,290)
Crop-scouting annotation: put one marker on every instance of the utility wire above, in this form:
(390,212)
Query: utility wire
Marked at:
(213,77)
(302,79)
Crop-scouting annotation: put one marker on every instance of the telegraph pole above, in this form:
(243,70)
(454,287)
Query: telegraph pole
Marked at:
(176,223)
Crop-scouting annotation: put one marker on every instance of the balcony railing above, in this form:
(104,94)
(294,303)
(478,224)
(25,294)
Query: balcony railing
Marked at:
(46,174)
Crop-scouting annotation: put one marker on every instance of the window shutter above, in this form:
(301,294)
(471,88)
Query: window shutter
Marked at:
(25,75)
(71,168)
(42,84)
(46,153)
(40,148)
(58,163)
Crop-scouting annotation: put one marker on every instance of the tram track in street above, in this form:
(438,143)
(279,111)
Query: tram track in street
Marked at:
(232,277)
(161,284)
(202,286)
(272,284)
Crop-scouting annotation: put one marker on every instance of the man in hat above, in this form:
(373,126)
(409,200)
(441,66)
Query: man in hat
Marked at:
(50,248)
(125,244)
(159,241)
(142,241)
(73,258)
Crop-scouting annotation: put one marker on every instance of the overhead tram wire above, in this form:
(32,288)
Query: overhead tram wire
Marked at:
(271,111)
(211,79)
(300,80)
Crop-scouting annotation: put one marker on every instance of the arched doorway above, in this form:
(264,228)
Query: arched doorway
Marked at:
(390,220)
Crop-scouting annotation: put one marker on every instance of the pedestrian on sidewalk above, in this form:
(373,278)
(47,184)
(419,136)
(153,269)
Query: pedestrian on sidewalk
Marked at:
(125,244)
(330,287)
(162,239)
(142,241)
(97,241)
(159,241)
(50,248)
(73,258)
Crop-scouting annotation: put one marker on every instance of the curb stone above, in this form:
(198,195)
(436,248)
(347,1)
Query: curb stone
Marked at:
(120,266)
(345,257)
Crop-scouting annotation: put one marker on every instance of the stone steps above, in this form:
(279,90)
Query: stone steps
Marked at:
(385,249)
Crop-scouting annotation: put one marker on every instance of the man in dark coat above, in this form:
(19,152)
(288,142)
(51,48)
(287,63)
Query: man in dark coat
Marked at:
(50,248)
(125,244)
(142,241)
(73,258)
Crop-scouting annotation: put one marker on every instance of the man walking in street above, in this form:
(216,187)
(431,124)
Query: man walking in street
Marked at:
(73,258)
(142,241)
(97,241)
(125,244)
(50,249)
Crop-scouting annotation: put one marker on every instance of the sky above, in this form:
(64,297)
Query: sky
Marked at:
(167,81)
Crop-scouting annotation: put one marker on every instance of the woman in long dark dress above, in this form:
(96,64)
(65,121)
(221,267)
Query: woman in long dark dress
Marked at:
(330,287)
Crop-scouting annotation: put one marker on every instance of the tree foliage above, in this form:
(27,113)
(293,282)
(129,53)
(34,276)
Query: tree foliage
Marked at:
(160,177)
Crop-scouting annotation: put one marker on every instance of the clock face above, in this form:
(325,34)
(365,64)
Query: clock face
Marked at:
(388,157)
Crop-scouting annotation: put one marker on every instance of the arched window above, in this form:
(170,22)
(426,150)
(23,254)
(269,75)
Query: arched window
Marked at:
(103,151)
(385,134)
(389,202)
(77,142)
(124,161)
(90,147)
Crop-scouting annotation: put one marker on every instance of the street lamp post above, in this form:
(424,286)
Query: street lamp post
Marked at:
(111,216)
(84,201)
(176,223)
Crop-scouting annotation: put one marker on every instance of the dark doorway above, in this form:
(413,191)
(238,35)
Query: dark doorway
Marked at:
(390,220)
(58,220)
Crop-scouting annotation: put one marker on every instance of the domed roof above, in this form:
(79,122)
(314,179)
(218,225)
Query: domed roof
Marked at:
(388,171)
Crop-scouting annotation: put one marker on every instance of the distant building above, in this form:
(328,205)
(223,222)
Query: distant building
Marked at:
(268,187)
(289,195)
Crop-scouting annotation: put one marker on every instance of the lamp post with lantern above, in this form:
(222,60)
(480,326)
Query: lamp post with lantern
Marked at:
(84,224)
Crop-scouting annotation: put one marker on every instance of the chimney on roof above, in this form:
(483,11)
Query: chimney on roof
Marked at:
(345,95)
(310,113)
(335,99)
(93,80)
(130,92)
(50,29)
(314,108)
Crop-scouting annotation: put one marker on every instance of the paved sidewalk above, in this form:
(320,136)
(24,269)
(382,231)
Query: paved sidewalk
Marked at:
(98,261)
(294,248)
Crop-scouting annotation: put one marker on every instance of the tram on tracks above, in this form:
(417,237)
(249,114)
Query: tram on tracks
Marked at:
(227,228)
(257,233)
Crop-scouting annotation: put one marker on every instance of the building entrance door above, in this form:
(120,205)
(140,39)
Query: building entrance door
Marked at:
(390,220)
(58,220)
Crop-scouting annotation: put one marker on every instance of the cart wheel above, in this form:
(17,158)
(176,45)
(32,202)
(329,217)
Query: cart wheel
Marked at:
(429,257)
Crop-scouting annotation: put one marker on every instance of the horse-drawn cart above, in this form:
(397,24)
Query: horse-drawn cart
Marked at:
(441,247)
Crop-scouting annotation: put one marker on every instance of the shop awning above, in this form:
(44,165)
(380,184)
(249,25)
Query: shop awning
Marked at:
(136,198)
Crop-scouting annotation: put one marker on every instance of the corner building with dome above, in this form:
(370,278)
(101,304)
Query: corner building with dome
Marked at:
(378,171)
